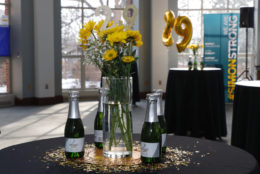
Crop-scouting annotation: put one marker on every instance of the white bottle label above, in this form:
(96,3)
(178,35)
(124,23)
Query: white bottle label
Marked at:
(163,140)
(74,144)
(150,150)
(98,134)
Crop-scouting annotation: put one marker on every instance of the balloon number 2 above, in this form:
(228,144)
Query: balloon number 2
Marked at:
(177,24)
(107,12)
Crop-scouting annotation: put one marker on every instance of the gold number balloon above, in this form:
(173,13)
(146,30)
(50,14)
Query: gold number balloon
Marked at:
(167,33)
(107,12)
(130,20)
(185,32)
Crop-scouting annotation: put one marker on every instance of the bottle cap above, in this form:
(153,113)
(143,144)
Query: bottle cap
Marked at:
(158,91)
(151,97)
(103,91)
(73,94)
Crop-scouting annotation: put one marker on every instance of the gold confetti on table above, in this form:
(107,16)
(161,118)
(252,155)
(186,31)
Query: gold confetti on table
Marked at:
(95,161)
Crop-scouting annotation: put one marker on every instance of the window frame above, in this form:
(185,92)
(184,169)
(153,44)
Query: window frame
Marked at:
(81,55)
(4,58)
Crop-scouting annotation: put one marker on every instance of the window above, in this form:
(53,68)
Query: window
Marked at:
(74,13)
(195,9)
(4,61)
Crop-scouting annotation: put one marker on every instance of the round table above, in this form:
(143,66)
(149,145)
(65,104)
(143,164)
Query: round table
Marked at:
(221,158)
(194,103)
(246,117)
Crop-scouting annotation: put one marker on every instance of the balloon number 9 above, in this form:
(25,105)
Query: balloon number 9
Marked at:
(177,23)
(130,20)
(186,32)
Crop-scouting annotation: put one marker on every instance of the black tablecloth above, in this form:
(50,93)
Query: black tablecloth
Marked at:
(195,103)
(221,158)
(134,73)
(246,117)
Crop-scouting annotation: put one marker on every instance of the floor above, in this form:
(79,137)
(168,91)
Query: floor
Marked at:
(21,124)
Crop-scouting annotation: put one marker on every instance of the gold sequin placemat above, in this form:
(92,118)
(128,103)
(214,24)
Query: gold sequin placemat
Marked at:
(95,161)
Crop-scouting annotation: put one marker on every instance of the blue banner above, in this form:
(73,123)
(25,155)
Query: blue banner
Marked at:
(221,47)
(5,41)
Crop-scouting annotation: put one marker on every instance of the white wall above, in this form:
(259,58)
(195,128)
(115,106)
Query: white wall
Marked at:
(162,57)
(144,68)
(44,48)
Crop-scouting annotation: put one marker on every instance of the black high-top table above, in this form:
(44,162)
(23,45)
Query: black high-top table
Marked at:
(195,104)
(246,117)
(221,158)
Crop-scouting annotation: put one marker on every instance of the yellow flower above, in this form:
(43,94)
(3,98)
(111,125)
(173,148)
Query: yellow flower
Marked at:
(85,32)
(83,47)
(110,55)
(110,23)
(104,33)
(195,46)
(128,59)
(192,46)
(135,35)
(98,26)
(83,37)
(117,37)
(111,30)
(90,25)
(138,43)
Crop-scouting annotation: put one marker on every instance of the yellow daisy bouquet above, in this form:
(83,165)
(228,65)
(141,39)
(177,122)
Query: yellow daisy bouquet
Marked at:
(111,49)
(194,48)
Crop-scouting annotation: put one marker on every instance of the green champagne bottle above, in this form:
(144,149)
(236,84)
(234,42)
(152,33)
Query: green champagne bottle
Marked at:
(151,133)
(98,130)
(161,118)
(74,130)
(190,63)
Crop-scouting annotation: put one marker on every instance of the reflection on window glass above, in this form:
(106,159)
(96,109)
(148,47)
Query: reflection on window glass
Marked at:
(71,72)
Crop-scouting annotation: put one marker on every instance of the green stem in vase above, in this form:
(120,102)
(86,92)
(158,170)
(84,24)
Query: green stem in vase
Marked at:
(123,133)
(113,120)
(129,126)
(120,113)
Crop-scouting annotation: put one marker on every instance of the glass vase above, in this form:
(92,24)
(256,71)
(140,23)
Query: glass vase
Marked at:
(117,120)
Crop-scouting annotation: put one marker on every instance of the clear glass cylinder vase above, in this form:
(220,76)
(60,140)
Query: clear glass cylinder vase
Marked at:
(117,119)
